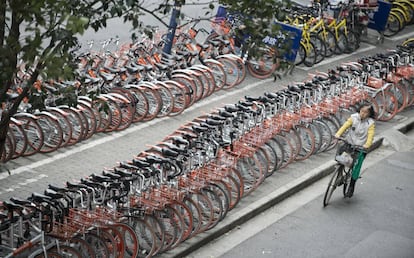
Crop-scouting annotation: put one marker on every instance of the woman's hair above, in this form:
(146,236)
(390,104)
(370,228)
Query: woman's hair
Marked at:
(372,113)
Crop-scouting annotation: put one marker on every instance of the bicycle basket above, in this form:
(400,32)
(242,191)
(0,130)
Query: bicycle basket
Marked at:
(220,25)
(345,159)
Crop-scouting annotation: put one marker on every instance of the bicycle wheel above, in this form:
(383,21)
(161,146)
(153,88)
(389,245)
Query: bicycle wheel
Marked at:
(326,134)
(393,26)
(90,124)
(154,101)
(272,158)
(232,70)
(220,78)
(189,84)
(265,64)
(353,42)
(167,99)
(179,94)
(196,215)
(217,206)
(206,209)
(332,184)
(185,212)
(330,41)
(76,122)
(387,104)
(130,239)
(66,251)
(320,47)
(140,102)
(311,54)
(33,131)
(307,139)
(82,246)
(235,191)
(290,147)
(146,237)
(301,54)
(98,245)
(52,131)
(400,94)
(64,122)
(20,137)
(223,193)
(8,148)
(341,43)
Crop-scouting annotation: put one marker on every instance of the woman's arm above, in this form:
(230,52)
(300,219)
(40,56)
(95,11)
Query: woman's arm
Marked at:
(370,136)
(344,127)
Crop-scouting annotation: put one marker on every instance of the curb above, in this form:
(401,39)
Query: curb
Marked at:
(242,215)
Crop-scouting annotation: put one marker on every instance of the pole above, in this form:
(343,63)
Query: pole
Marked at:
(172,27)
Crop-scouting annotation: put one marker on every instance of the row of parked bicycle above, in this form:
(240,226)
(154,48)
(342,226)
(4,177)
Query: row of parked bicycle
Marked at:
(113,90)
(186,184)
(326,30)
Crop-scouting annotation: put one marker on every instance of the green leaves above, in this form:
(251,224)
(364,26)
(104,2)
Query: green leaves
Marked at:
(76,24)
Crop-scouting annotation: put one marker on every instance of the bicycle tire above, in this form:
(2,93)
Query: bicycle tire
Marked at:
(98,245)
(206,209)
(387,104)
(167,99)
(116,112)
(326,134)
(8,148)
(118,239)
(140,102)
(64,122)
(231,69)
(33,131)
(332,185)
(272,157)
(20,137)
(234,188)
(265,65)
(76,122)
(146,237)
(223,193)
(51,130)
(341,43)
(220,78)
(179,94)
(393,25)
(354,42)
(217,206)
(80,244)
(130,239)
(185,212)
(311,54)
(330,41)
(320,47)
(189,84)
(196,215)
(89,115)
(301,54)
(66,251)
(154,101)
(307,139)
(207,79)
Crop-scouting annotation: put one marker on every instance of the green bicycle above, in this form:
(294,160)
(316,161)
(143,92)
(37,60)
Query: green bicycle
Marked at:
(347,163)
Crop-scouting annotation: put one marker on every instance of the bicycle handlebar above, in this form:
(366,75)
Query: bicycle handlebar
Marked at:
(352,146)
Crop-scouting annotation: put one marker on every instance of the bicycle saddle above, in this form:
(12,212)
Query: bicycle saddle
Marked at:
(225,113)
(231,108)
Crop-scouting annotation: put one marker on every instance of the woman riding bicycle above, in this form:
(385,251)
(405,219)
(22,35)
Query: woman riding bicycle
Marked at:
(361,132)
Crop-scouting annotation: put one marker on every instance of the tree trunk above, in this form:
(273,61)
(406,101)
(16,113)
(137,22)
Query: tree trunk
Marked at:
(4,128)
